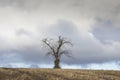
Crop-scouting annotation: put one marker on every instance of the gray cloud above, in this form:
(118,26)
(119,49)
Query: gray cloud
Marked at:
(105,31)
(87,23)
(86,49)
(21,4)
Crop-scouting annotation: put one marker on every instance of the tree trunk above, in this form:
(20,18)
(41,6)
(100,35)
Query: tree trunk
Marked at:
(56,63)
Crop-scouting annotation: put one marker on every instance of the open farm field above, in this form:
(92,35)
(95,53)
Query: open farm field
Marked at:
(57,74)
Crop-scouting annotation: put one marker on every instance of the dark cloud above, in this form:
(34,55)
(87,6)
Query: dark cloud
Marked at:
(86,50)
(105,31)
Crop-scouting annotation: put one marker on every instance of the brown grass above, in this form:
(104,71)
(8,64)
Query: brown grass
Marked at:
(57,74)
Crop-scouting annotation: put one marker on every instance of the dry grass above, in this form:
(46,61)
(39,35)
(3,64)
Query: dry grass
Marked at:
(57,74)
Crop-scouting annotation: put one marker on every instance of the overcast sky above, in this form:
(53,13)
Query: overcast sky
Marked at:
(93,26)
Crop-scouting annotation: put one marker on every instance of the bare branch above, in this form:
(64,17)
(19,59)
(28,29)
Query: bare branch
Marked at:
(65,52)
(50,53)
(46,42)
(60,43)
(67,42)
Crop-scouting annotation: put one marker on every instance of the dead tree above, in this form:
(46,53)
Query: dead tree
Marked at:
(56,49)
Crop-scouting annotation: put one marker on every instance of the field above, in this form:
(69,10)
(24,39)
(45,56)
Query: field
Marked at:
(57,74)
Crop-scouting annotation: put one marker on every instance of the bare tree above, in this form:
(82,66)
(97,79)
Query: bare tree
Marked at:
(56,49)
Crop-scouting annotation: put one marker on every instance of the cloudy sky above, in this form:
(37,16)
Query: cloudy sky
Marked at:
(93,26)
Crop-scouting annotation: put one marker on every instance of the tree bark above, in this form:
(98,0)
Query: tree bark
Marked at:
(56,63)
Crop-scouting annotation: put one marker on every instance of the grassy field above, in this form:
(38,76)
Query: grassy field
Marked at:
(57,74)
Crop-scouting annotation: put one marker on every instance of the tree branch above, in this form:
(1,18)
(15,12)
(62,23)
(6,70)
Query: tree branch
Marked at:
(46,42)
(65,52)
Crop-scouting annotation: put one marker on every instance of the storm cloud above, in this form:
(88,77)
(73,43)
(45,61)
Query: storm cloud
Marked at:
(91,25)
